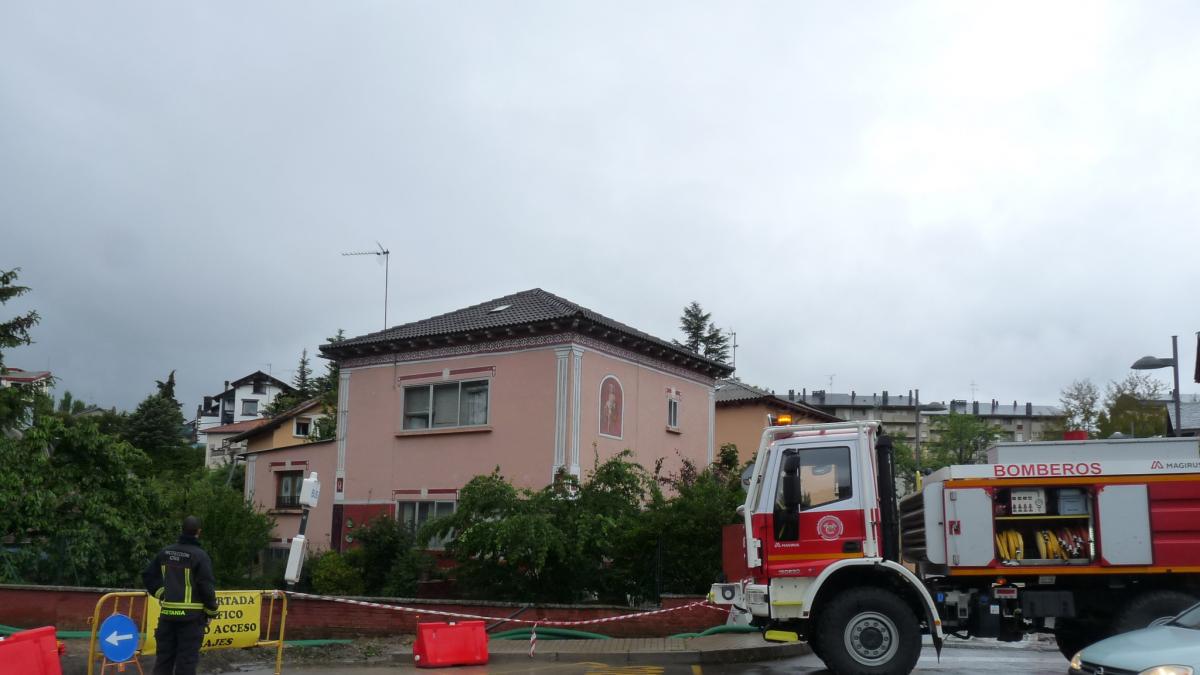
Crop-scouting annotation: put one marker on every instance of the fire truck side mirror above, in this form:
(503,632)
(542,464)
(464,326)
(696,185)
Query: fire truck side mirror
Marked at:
(791,482)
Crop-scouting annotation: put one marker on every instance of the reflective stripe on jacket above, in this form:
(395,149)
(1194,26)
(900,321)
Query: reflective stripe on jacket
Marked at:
(181,578)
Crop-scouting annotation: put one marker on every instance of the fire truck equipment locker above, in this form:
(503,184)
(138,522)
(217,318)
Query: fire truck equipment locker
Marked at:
(1125,525)
(969,532)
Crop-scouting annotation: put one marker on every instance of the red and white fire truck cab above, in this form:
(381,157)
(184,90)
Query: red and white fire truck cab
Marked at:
(1080,543)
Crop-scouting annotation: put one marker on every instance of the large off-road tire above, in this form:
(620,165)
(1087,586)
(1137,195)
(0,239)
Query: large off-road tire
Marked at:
(868,631)
(1146,607)
(1073,636)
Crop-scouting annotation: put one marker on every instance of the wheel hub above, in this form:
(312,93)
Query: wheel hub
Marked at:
(871,638)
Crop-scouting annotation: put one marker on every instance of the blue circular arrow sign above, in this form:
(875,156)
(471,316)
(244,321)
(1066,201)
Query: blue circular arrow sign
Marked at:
(118,637)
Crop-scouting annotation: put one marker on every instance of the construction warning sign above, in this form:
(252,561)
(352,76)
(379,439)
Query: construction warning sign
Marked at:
(236,624)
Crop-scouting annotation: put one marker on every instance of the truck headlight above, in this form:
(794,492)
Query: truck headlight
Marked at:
(1077,662)
(1168,670)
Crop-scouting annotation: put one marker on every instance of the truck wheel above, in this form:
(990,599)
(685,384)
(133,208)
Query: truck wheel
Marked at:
(868,631)
(1148,606)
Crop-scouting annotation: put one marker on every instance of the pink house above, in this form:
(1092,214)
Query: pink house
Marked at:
(530,383)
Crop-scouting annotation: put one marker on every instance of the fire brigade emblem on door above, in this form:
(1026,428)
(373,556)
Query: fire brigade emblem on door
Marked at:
(830,528)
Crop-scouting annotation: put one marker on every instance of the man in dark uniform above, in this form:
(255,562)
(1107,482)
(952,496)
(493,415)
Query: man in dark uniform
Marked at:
(181,577)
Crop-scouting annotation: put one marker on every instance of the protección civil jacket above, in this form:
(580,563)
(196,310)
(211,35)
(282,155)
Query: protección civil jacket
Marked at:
(181,577)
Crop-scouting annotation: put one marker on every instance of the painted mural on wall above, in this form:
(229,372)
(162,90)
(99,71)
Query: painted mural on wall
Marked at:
(612,404)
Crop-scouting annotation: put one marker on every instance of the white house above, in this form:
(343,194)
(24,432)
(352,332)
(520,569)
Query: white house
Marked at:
(242,400)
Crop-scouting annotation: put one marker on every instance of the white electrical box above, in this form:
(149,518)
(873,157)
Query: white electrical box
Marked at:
(295,560)
(310,491)
(1028,501)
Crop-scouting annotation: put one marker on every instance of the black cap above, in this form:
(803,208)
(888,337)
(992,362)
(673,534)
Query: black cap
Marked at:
(191,525)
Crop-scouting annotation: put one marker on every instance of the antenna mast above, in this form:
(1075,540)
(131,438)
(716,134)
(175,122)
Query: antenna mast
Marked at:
(385,253)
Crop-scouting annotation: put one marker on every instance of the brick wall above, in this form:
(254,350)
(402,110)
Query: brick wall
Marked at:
(71,609)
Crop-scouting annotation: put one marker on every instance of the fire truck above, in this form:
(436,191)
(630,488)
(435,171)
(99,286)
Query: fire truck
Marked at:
(1080,539)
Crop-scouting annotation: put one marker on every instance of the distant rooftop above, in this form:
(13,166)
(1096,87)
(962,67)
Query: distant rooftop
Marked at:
(1190,411)
(732,391)
(18,376)
(994,408)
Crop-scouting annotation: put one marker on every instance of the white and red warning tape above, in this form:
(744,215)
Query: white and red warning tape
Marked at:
(534,622)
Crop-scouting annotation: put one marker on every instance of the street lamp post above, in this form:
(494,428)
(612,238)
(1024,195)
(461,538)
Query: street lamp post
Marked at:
(1154,362)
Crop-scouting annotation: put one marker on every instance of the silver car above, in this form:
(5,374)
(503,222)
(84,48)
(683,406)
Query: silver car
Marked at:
(1168,647)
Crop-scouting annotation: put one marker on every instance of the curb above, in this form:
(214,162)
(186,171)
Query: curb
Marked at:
(767,652)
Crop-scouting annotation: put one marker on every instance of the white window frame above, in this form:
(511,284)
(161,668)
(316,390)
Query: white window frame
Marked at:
(429,386)
(672,412)
(296,426)
(256,408)
(436,544)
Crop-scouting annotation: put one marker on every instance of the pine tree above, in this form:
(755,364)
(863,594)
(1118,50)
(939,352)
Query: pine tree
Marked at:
(15,402)
(694,324)
(167,389)
(14,332)
(302,380)
(701,335)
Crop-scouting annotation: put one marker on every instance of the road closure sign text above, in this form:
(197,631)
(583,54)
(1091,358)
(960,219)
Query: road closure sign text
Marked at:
(236,625)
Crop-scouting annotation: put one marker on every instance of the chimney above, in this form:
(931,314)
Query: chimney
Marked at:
(853,395)
(910,397)
(820,396)
(1029,410)
(804,394)
(975,408)
(791,394)
(1014,405)
(995,404)
(885,397)
(226,385)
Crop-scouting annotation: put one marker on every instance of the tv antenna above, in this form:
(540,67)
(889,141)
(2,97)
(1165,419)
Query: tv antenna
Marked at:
(381,251)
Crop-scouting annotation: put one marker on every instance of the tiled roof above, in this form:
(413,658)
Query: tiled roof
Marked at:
(276,421)
(735,391)
(1190,411)
(496,319)
(236,427)
(18,375)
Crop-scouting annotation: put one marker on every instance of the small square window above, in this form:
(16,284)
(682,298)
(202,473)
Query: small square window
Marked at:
(249,407)
(260,387)
(302,427)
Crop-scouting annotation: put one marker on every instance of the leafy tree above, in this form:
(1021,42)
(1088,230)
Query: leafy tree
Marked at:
(69,405)
(701,335)
(391,565)
(1079,401)
(905,463)
(74,505)
(1131,406)
(337,574)
(960,439)
(675,545)
(234,532)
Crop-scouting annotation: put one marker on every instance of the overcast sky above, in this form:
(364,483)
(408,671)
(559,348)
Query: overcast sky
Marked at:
(895,195)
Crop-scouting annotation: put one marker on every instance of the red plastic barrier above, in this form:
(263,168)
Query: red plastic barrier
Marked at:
(30,652)
(450,644)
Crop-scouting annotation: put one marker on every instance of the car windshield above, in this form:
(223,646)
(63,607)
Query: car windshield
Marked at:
(1189,619)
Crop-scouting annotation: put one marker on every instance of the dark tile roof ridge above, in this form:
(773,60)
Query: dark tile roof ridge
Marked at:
(555,308)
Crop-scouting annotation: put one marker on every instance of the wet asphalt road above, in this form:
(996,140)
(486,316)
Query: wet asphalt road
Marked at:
(998,660)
